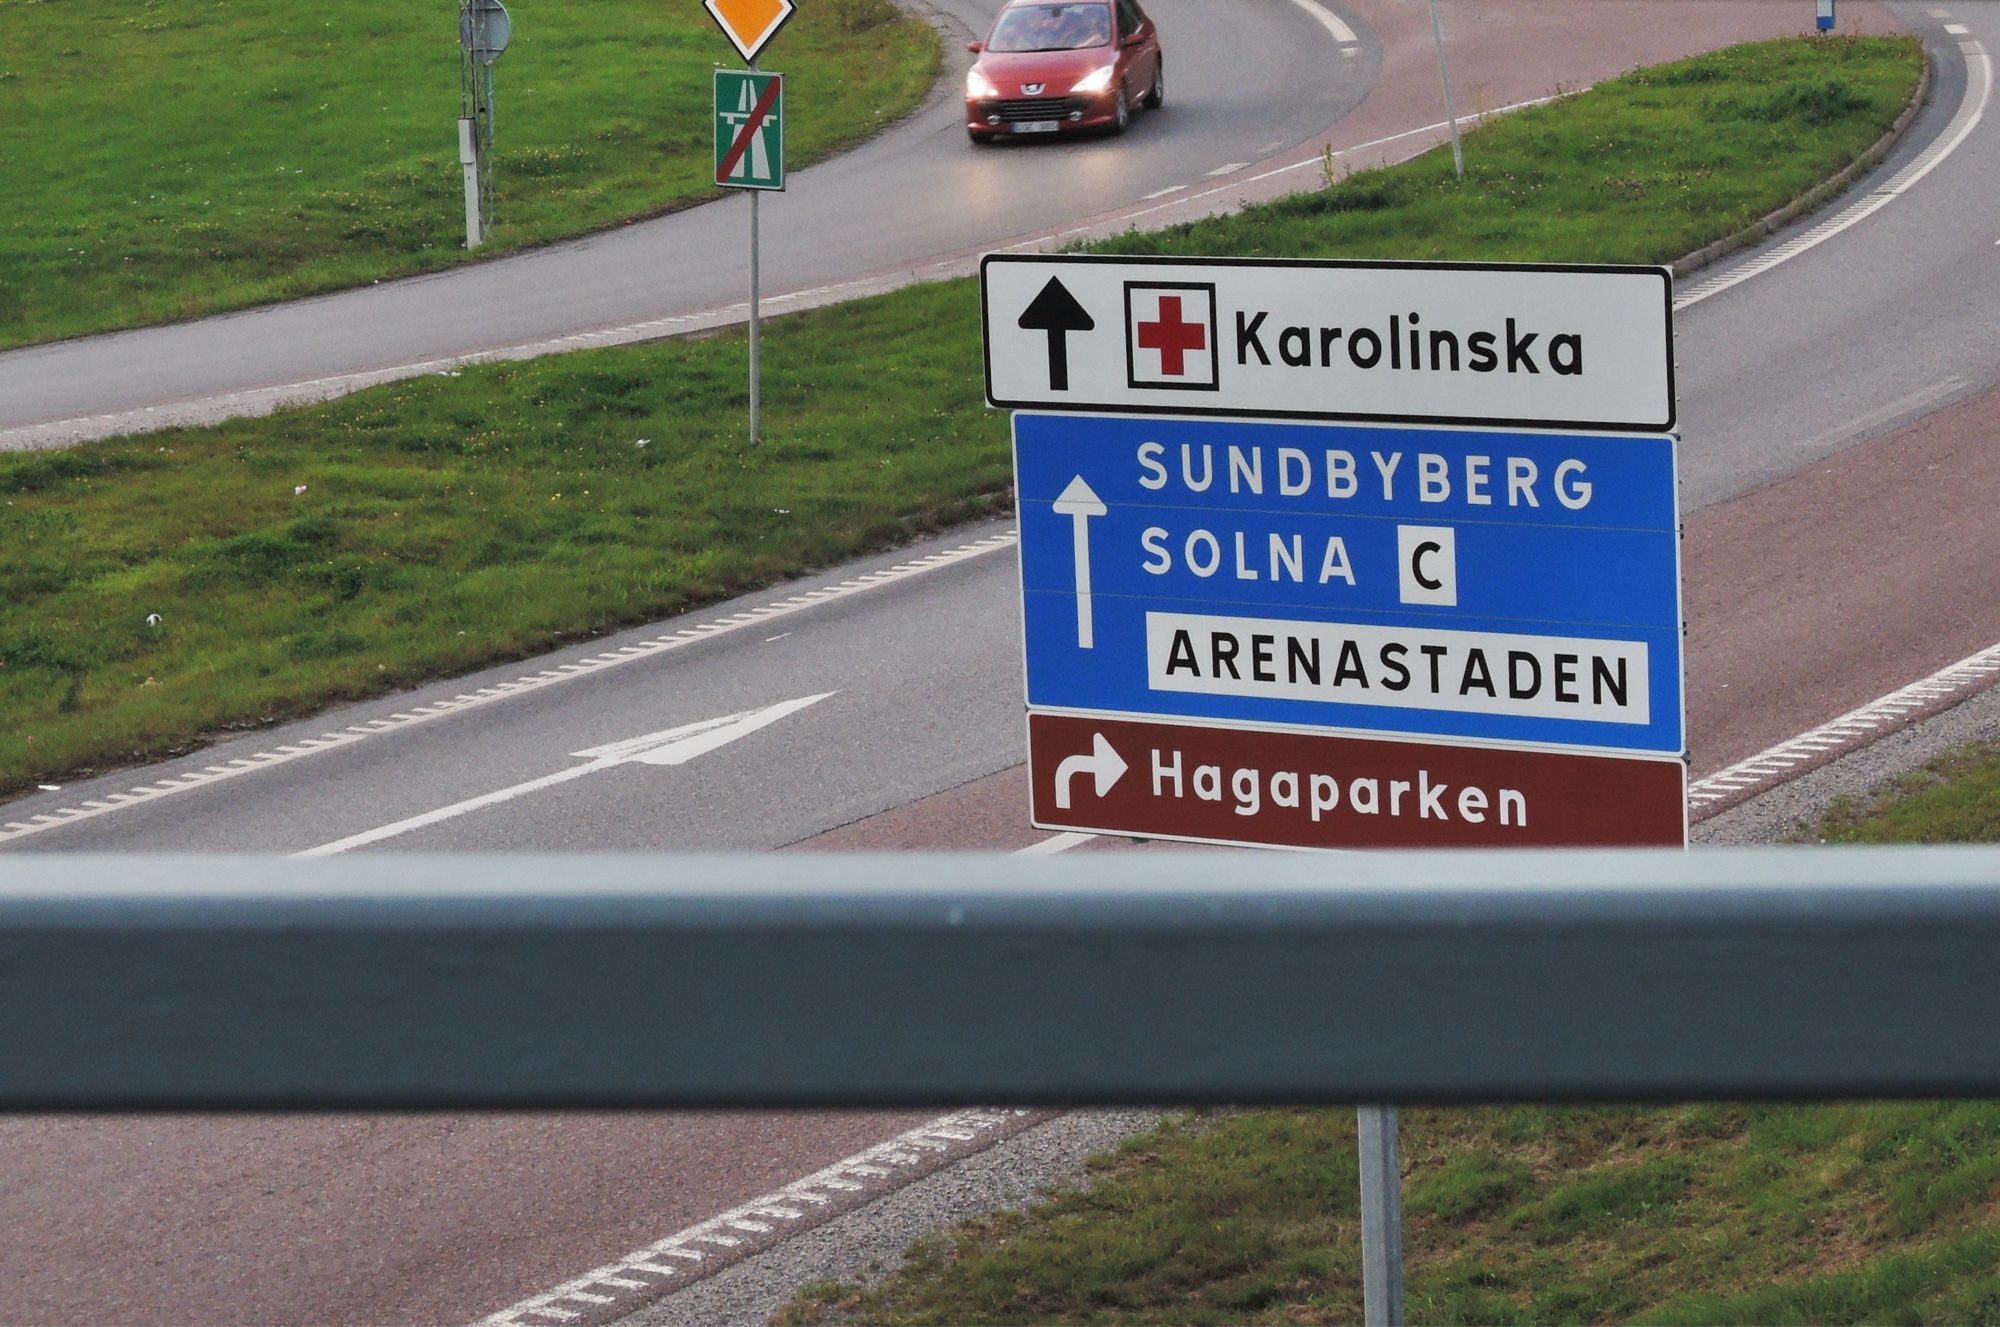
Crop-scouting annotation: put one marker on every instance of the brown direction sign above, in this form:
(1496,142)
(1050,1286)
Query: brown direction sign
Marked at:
(1269,788)
(749,24)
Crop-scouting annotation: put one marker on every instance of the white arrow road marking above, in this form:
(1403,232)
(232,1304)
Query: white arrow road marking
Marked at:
(673,746)
(1080,502)
(1104,766)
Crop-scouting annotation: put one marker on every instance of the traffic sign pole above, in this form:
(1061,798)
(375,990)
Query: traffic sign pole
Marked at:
(756,376)
(750,154)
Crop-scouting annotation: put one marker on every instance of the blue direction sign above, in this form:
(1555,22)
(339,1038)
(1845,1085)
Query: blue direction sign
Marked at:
(1498,586)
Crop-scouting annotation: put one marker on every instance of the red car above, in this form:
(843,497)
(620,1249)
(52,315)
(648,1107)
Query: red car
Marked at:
(1055,66)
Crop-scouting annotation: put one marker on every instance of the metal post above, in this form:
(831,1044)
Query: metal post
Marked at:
(1381,1218)
(756,394)
(1450,106)
(468,158)
(486,151)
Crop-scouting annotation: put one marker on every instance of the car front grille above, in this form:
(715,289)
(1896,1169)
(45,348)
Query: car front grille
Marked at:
(1039,108)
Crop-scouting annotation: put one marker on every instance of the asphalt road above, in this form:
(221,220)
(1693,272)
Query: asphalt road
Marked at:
(1839,543)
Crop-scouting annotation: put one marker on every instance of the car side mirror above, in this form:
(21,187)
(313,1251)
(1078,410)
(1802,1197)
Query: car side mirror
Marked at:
(1134,38)
(975,46)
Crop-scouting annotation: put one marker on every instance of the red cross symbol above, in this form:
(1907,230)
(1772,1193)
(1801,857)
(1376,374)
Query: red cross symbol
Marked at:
(1172,337)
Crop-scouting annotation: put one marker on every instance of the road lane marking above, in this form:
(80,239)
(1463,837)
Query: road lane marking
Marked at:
(673,746)
(361,730)
(1317,161)
(800,1205)
(1971,110)
(1913,404)
(1329,20)
(1229,169)
(1856,728)
(1062,842)
(1957,29)
(1162,193)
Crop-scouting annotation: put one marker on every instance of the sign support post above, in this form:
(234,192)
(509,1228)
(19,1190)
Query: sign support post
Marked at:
(484,29)
(1450,107)
(756,377)
(1381,1217)
(750,144)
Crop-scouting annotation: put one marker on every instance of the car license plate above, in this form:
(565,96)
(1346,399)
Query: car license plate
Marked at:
(1035,127)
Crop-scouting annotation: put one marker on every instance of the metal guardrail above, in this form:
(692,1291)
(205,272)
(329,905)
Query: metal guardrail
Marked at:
(788,979)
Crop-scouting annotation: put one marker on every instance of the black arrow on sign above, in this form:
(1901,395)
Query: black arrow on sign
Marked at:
(1056,312)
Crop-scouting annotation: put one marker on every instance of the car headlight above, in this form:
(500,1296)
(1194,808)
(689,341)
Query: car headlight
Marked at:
(1096,80)
(978,85)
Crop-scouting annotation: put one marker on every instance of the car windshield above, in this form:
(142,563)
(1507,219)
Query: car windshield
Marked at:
(1051,28)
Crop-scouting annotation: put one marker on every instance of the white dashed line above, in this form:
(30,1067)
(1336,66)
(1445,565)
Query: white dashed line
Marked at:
(1229,169)
(143,794)
(1957,29)
(1162,193)
(1317,161)
(646,1270)
(1856,728)
(1971,109)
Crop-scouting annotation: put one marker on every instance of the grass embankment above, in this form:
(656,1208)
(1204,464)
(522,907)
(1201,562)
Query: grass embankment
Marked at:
(1886,1212)
(1698,1214)
(1953,799)
(447,522)
(164,160)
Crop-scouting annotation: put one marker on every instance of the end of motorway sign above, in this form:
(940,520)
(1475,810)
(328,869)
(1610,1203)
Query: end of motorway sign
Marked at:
(749,129)
(1573,347)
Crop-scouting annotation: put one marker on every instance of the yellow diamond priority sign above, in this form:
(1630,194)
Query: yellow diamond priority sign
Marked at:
(749,24)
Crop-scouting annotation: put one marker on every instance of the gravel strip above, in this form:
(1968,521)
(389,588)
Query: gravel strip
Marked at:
(1774,816)
(867,1244)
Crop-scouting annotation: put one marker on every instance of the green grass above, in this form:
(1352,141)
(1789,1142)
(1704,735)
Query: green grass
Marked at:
(453,521)
(1696,1214)
(1953,799)
(165,158)
(448,521)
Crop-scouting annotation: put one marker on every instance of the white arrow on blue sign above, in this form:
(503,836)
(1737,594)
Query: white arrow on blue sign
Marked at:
(1504,586)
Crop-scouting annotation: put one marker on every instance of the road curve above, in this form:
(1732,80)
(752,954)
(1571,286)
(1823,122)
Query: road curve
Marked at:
(918,190)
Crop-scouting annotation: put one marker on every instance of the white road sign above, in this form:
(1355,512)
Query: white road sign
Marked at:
(1443,343)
